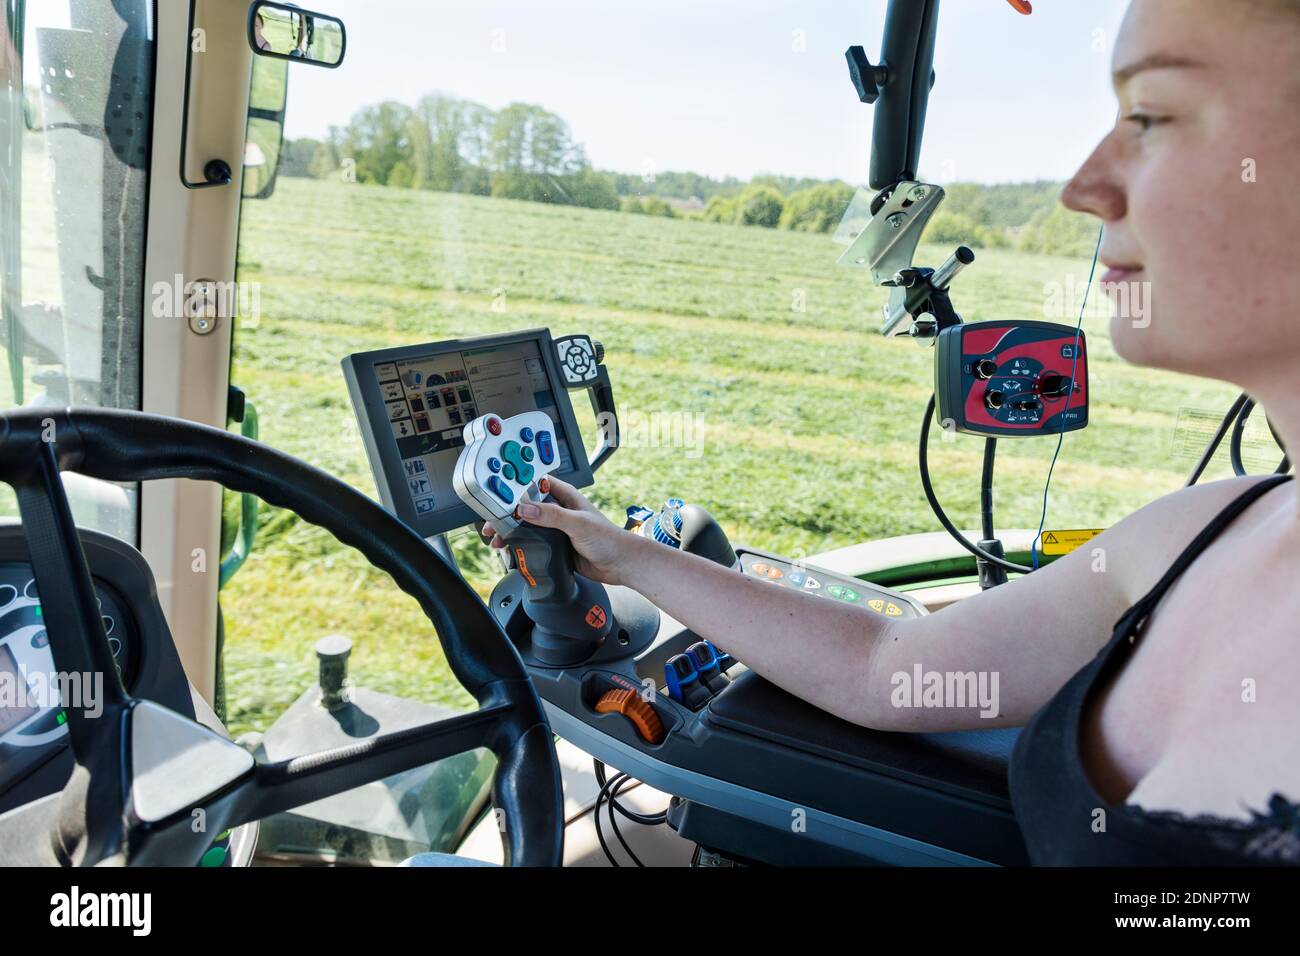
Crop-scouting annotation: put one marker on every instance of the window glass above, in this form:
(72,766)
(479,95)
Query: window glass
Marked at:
(76,88)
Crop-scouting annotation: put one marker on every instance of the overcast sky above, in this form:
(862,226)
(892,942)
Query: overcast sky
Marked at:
(729,88)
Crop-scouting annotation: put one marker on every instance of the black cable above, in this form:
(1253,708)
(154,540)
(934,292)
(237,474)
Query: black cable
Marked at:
(620,782)
(986,488)
(609,855)
(613,784)
(645,819)
(1285,464)
(1238,433)
(1208,455)
(937,508)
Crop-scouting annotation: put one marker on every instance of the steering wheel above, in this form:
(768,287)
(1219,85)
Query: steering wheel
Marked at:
(153,787)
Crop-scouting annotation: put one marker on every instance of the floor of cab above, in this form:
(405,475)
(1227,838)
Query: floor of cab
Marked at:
(655,846)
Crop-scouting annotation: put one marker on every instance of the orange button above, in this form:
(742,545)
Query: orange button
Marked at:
(630,705)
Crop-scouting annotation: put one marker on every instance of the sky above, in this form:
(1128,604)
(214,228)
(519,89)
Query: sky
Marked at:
(723,87)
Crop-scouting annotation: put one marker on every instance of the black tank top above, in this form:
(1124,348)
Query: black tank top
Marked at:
(1062,816)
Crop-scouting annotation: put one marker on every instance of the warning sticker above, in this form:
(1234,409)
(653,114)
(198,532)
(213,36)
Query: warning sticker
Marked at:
(1063,542)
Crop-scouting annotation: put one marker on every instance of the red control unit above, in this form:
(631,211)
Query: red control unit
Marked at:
(1011,379)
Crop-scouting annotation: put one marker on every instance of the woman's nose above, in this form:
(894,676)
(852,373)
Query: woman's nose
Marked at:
(1095,188)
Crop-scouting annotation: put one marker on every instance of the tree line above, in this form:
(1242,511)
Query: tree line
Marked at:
(448,144)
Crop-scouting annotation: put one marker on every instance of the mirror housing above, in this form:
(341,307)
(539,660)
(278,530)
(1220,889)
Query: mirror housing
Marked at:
(287,32)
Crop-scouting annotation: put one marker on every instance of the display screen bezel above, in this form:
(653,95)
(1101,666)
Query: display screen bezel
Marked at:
(381,446)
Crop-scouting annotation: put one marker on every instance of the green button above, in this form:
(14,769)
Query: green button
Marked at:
(527,453)
(516,466)
(214,857)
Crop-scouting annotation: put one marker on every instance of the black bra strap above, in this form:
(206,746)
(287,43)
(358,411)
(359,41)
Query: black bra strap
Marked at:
(1135,615)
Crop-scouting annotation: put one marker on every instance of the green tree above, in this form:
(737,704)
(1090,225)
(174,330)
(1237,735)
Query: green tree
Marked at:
(400,175)
(324,161)
(377,138)
(649,206)
(818,208)
(720,209)
(759,206)
(590,188)
(1059,232)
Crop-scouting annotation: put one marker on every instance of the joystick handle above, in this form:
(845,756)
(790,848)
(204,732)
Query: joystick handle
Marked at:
(544,559)
(571,615)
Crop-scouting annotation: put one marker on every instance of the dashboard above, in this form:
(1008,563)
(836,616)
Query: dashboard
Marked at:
(31,689)
(34,756)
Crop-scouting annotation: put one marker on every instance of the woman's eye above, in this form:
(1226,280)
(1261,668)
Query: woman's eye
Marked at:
(1145,121)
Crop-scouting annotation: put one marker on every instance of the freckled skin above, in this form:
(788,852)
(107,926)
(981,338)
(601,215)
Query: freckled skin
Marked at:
(1219,252)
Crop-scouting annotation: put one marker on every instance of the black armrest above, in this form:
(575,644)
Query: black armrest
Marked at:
(969,764)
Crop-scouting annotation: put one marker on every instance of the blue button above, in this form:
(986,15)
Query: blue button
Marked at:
(508,471)
(499,488)
(525,434)
(703,655)
(494,465)
(40,639)
(544,447)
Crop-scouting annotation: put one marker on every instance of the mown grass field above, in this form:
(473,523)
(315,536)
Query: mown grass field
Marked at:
(797,407)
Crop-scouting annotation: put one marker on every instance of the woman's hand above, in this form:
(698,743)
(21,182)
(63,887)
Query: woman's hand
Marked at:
(601,547)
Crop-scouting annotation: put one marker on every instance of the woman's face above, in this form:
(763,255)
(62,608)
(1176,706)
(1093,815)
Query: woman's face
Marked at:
(1198,188)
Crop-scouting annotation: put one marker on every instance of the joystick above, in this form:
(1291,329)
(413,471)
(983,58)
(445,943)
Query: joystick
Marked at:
(506,461)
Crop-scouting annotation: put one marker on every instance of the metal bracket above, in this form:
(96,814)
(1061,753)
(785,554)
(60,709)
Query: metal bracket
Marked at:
(888,243)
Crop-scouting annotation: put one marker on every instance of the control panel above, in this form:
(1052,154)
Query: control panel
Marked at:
(825,584)
(413,405)
(503,462)
(1011,379)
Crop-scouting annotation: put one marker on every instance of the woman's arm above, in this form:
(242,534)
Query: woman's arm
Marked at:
(1023,640)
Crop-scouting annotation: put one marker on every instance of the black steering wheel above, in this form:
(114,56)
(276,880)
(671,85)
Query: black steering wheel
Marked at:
(151,786)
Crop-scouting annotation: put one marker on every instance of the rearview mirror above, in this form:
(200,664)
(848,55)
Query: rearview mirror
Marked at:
(286,32)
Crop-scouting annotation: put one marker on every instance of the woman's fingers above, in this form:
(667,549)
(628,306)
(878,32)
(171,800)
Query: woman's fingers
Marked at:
(569,496)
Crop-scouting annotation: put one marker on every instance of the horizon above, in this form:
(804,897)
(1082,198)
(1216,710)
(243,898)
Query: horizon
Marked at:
(731,96)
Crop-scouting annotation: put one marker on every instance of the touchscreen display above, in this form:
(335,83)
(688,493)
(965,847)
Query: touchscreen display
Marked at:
(430,399)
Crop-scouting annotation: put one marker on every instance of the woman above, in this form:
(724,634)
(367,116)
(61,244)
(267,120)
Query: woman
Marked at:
(1174,737)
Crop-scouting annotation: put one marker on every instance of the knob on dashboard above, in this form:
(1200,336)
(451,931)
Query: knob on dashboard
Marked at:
(641,715)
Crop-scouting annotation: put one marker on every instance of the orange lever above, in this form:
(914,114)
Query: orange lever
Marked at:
(1022,6)
(631,706)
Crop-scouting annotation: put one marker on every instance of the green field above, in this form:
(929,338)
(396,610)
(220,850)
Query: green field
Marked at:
(796,406)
